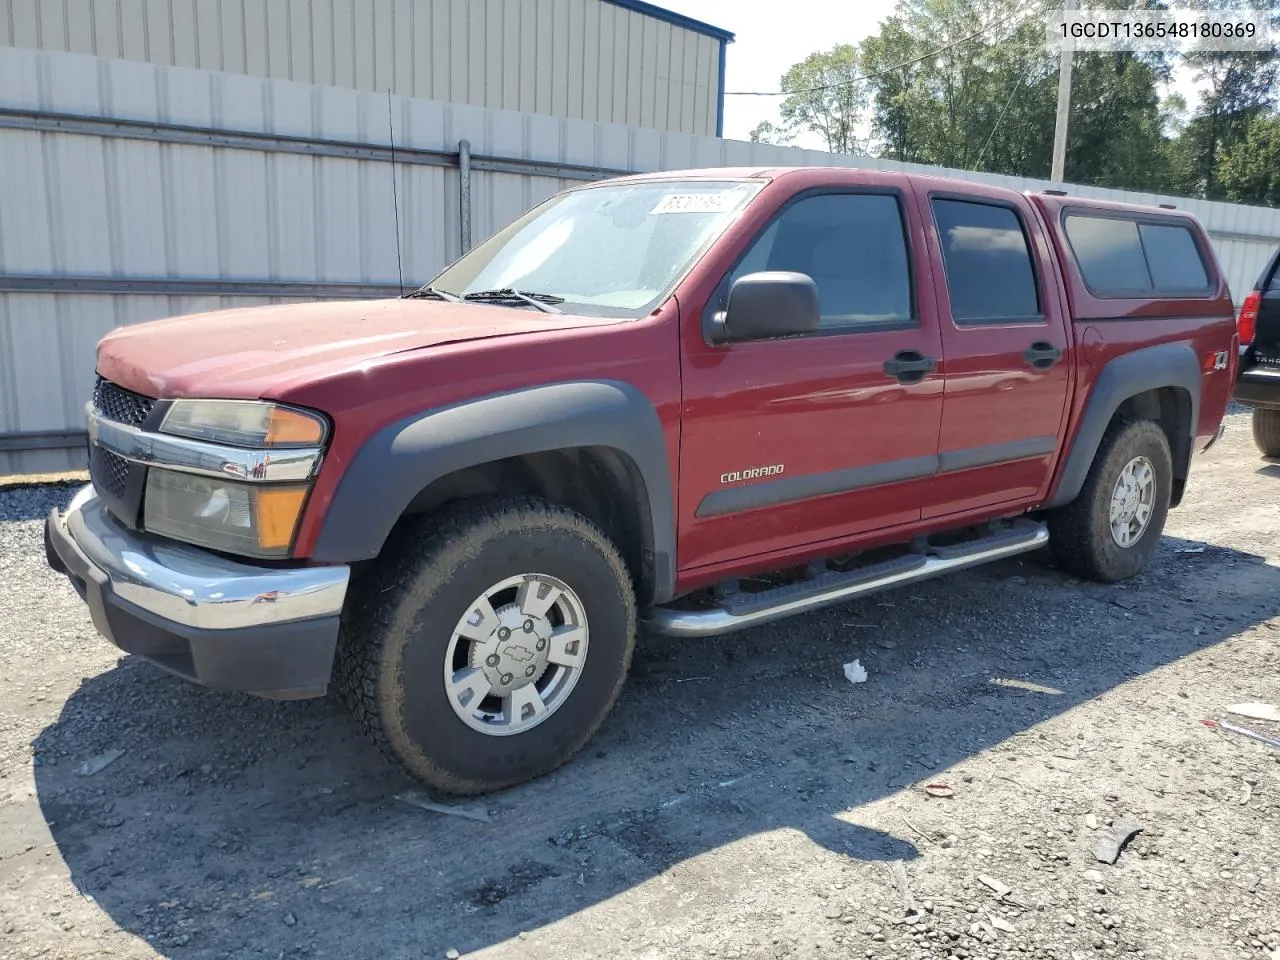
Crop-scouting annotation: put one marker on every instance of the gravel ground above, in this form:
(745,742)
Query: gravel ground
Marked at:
(745,800)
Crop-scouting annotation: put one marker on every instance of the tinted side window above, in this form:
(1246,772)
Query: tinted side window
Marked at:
(988,263)
(1109,253)
(1269,282)
(1119,257)
(1172,257)
(853,246)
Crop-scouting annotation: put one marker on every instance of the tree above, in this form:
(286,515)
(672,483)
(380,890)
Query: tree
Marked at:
(766,132)
(1116,132)
(1173,115)
(898,98)
(961,83)
(1239,87)
(826,96)
(1250,170)
(970,84)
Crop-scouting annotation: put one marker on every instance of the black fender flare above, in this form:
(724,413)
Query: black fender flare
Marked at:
(1151,368)
(401,460)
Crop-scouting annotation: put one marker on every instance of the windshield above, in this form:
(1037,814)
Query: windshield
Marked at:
(615,250)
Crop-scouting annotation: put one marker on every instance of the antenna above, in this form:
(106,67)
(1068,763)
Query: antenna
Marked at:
(395,200)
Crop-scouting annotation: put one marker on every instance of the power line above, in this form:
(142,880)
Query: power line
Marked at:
(1000,119)
(878,73)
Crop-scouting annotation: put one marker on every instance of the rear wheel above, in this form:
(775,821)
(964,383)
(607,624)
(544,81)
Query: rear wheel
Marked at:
(1266,431)
(1110,531)
(488,647)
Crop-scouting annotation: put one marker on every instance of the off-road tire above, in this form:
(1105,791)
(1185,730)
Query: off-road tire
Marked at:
(1080,532)
(397,625)
(1266,431)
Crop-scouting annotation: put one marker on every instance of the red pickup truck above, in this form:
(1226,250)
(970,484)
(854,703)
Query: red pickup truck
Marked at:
(458,504)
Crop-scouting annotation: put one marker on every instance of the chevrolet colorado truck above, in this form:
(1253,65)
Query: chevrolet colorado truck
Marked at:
(1258,379)
(699,401)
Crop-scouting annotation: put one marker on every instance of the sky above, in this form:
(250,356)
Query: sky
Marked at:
(771,36)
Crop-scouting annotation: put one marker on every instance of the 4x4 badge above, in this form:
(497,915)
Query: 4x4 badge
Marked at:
(1220,360)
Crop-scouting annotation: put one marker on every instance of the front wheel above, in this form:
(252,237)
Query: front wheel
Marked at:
(487,648)
(1112,528)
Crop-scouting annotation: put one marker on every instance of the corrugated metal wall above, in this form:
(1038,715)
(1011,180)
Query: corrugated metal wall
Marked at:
(93,212)
(585,59)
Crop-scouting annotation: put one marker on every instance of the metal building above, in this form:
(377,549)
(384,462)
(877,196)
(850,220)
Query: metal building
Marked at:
(613,61)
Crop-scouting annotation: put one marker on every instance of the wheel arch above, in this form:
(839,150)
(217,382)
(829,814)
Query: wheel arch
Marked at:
(597,447)
(1160,383)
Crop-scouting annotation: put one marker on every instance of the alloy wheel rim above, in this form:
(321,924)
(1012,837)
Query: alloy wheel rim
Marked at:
(516,654)
(1132,502)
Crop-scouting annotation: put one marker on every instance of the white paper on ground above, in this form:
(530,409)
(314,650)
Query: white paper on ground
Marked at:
(1256,711)
(855,672)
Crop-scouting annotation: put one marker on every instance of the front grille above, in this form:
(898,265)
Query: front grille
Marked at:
(124,406)
(119,483)
(109,472)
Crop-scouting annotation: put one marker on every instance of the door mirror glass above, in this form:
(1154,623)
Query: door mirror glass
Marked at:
(770,304)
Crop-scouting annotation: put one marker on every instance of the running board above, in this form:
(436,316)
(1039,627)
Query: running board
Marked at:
(752,609)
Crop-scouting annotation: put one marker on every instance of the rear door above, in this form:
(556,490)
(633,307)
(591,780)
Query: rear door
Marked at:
(1263,357)
(1007,348)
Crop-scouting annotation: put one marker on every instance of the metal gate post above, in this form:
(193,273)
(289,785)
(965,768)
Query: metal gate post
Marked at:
(464,193)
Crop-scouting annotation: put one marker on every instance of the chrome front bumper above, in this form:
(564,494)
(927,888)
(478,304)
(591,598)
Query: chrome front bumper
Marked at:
(220,622)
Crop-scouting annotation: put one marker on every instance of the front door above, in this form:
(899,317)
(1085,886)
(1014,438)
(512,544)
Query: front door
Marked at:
(809,440)
(1008,353)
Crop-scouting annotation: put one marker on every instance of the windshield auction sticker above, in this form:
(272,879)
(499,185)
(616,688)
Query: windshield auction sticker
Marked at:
(721,201)
(1171,31)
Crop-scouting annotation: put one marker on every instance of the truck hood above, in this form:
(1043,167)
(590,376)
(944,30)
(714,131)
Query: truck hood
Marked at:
(249,352)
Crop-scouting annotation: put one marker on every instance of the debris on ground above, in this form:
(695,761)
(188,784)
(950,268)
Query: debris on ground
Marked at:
(1191,550)
(418,800)
(855,672)
(1027,685)
(1108,847)
(918,832)
(899,874)
(99,763)
(1001,890)
(1243,731)
(1256,711)
(939,790)
(1000,923)
(1091,821)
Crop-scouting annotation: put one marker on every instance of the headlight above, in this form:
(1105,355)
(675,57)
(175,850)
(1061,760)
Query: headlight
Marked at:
(205,508)
(244,423)
(250,519)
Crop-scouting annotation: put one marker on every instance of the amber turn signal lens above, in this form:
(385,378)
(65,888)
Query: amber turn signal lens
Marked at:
(291,427)
(277,511)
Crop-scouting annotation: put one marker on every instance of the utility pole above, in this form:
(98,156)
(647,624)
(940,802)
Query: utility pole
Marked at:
(1064,106)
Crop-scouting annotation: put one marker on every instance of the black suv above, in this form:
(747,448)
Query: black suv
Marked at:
(1258,384)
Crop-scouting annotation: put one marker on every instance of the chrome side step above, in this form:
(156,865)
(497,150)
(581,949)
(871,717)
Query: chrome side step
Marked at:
(752,609)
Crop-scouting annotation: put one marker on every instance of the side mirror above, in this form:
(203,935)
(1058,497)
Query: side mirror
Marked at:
(767,305)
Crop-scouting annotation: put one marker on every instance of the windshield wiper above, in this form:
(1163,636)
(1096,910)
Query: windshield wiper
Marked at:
(542,301)
(431,293)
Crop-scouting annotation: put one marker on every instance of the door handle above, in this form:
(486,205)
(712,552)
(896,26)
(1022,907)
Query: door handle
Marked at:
(1041,355)
(909,366)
